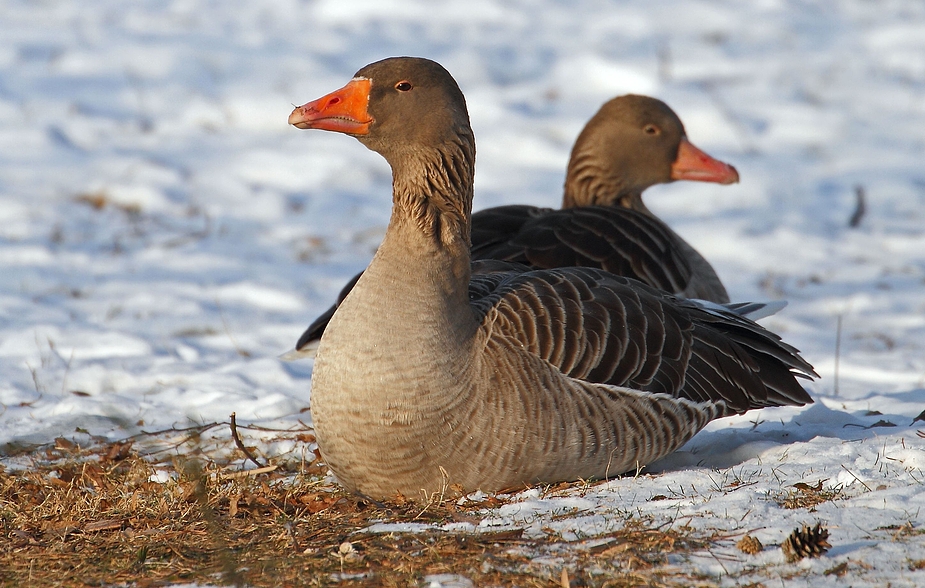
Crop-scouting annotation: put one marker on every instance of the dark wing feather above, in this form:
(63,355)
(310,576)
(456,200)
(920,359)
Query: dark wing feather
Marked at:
(619,240)
(607,329)
(496,225)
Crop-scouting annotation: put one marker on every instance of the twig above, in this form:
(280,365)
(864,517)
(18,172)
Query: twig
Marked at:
(837,351)
(198,429)
(234,342)
(104,525)
(860,208)
(293,429)
(856,478)
(246,473)
(609,462)
(67,370)
(240,444)
(35,380)
(718,560)
(433,499)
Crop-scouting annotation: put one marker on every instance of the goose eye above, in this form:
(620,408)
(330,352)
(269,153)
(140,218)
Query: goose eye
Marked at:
(403,86)
(651,130)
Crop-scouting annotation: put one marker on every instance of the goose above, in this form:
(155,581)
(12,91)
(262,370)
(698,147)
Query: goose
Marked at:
(632,143)
(436,375)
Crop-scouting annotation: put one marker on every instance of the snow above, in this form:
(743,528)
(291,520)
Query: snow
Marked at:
(221,232)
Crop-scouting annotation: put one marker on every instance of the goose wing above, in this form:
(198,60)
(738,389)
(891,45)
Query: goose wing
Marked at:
(619,240)
(606,329)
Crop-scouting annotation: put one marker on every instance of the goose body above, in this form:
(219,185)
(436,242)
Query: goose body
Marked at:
(632,143)
(435,372)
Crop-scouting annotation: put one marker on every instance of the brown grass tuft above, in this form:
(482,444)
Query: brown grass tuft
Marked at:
(805,496)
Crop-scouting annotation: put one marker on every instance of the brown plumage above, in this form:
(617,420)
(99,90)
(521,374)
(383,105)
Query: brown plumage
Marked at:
(435,371)
(631,144)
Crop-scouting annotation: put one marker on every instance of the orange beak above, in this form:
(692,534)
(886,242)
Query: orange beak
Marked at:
(343,111)
(695,165)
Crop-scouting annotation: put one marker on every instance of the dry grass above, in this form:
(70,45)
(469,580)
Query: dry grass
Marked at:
(805,496)
(105,515)
(100,200)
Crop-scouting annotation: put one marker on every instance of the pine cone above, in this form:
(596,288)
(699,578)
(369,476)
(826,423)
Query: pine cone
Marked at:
(749,545)
(806,542)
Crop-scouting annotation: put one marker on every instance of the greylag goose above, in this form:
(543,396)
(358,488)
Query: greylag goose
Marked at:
(439,375)
(631,144)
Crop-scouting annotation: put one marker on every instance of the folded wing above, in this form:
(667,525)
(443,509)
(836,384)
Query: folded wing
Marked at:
(606,329)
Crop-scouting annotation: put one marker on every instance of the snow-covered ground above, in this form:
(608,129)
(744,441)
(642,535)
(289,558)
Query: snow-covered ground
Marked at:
(164,235)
